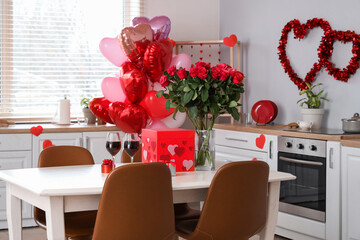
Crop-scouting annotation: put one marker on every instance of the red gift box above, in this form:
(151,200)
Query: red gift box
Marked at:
(175,147)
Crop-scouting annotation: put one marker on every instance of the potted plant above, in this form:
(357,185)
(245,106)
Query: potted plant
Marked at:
(203,93)
(313,113)
(88,115)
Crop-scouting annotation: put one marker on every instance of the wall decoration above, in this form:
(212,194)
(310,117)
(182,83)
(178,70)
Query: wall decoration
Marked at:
(47,143)
(230,41)
(300,31)
(260,141)
(36,131)
(324,51)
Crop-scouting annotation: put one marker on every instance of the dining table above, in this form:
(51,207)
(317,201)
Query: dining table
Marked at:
(57,190)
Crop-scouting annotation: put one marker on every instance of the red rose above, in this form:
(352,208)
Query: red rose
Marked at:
(202,72)
(224,75)
(215,73)
(232,71)
(223,66)
(203,64)
(164,81)
(238,77)
(182,73)
(171,70)
(193,71)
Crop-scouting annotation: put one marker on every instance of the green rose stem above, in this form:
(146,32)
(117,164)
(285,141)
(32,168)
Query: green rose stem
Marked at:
(203,154)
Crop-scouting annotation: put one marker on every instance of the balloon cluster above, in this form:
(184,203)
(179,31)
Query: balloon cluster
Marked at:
(142,52)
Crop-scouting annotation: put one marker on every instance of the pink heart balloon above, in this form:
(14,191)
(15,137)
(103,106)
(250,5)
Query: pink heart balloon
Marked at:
(161,26)
(110,49)
(112,89)
(181,60)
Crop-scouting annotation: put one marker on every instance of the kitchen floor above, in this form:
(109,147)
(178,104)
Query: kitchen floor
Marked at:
(36,233)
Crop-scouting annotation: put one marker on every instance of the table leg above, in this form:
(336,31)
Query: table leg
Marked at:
(55,224)
(272,211)
(13,211)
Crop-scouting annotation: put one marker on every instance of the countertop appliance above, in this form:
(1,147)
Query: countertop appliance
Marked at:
(306,159)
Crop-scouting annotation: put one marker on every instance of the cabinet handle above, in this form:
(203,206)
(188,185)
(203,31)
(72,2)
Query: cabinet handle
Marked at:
(270,150)
(79,142)
(331,160)
(236,139)
(87,142)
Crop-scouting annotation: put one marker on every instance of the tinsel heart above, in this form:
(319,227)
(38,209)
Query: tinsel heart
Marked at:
(300,31)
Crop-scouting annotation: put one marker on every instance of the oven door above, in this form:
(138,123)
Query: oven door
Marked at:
(306,195)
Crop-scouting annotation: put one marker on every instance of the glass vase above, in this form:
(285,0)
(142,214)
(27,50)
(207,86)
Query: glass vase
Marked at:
(205,150)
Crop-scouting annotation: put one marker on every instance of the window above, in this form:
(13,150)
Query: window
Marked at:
(50,49)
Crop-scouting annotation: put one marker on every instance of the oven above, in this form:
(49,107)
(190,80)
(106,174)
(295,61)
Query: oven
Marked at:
(306,159)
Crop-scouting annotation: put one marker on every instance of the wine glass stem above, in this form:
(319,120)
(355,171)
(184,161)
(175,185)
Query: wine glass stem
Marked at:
(132,159)
(113,158)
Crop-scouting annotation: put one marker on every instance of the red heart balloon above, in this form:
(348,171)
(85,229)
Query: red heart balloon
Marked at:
(129,118)
(134,41)
(157,59)
(133,81)
(99,107)
(155,106)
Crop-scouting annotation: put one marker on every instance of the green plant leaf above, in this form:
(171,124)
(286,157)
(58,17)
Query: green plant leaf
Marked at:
(193,112)
(167,105)
(232,104)
(186,98)
(159,93)
(186,89)
(195,96)
(204,95)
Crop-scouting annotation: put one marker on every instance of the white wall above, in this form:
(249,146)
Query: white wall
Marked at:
(190,19)
(258,24)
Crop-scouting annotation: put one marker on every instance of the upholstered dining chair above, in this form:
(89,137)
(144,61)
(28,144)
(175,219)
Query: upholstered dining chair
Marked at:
(235,205)
(78,225)
(136,204)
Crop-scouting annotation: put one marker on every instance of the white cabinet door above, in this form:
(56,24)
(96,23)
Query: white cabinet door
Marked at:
(95,143)
(333,180)
(225,155)
(350,176)
(13,160)
(57,139)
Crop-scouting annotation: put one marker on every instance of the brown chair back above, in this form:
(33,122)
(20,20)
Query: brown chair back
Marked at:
(235,206)
(56,156)
(136,204)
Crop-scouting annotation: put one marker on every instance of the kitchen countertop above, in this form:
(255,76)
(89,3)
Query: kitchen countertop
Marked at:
(281,131)
(351,143)
(55,128)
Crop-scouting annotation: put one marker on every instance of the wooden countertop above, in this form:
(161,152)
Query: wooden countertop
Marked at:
(275,130)
(55,128)
(351,143)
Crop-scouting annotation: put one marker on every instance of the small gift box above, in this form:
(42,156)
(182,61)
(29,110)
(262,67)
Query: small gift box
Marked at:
(107,166)
(174,147)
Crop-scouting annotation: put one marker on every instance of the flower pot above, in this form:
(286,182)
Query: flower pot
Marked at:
(205,150)
(89,116)
(313,115)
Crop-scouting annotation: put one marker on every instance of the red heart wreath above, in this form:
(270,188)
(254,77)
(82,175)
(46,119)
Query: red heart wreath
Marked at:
(326,50)
(300,30)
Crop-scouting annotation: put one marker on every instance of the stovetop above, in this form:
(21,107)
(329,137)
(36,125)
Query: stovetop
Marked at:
(325,131)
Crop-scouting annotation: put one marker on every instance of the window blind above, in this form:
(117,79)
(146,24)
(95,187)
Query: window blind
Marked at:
(50,49)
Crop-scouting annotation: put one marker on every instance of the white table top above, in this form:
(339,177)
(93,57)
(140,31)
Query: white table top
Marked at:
(88,179)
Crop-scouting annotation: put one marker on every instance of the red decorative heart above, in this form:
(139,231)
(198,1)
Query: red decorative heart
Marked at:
(300,31)
(191,148)
(201,51)
(184,142)
(209,55)
(133,81)
(201,59)
(260,141)
(179,151)
(135,40)
(172,42)
(99,107)
(162,145)
(129,118)
(153,145)
(254,159)
(326,50)
(230,41)
(157,59)
(47,143)
(166,157)
(36,130)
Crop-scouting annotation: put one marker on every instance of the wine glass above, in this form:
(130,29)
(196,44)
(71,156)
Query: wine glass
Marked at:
(113,143)
(131,144)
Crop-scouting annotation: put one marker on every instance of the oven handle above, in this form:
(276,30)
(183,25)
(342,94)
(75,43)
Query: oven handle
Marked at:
(286,159)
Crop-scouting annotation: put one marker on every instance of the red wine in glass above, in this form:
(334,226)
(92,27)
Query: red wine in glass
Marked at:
(113,144)
(131,144)
(131,147)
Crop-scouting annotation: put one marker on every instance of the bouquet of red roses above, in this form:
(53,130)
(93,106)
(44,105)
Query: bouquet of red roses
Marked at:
(204,93)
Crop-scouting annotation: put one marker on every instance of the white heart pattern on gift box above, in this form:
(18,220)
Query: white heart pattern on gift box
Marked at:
(145,154)
(171,149)
(188,164)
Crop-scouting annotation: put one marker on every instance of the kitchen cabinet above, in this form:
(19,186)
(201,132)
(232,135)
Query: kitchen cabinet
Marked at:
(350,196)
(243,146)
(15,152)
